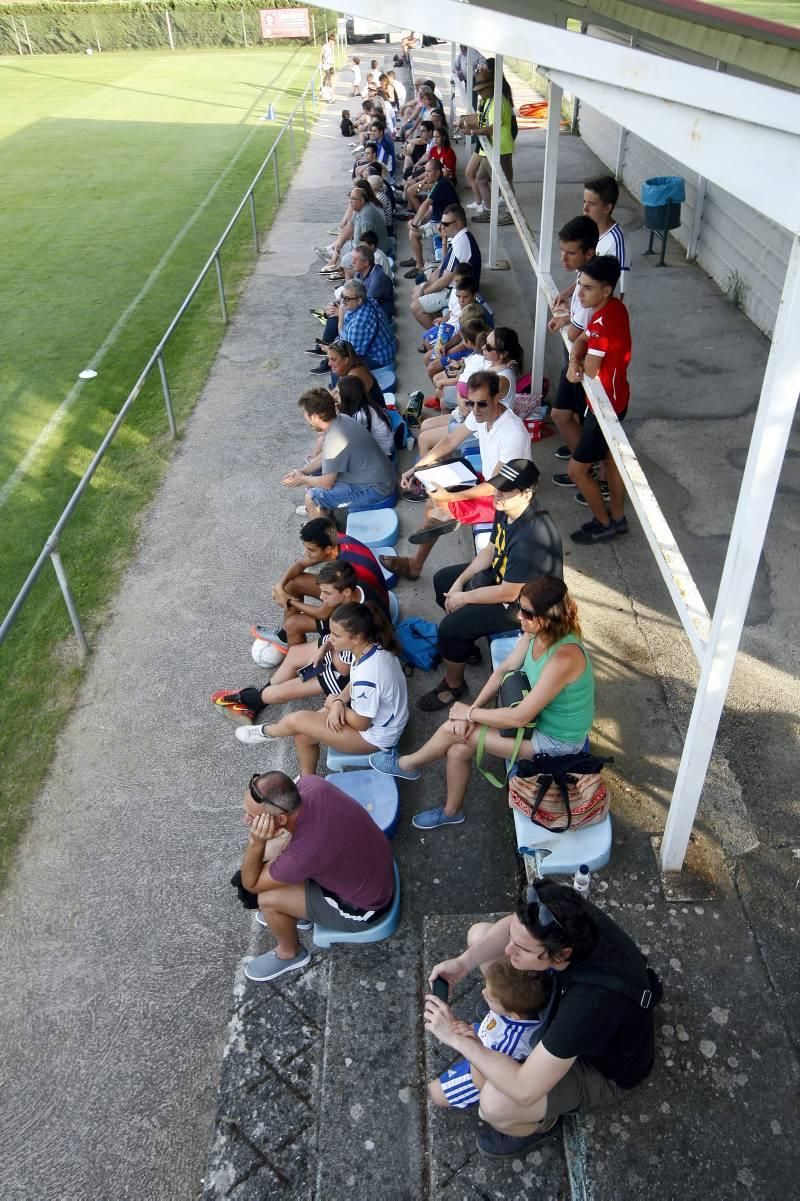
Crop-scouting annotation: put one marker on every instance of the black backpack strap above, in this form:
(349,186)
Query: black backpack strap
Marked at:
(645,998)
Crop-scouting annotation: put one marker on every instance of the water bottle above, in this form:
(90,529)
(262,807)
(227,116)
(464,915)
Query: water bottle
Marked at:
(582,880)
(437,247)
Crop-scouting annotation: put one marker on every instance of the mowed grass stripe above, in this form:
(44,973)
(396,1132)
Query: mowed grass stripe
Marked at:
(88,264)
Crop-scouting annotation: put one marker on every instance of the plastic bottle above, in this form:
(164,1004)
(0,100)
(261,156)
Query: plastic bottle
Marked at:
(582,880)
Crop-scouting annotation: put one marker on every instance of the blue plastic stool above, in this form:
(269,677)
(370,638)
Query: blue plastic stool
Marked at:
(341,760)
(374,792)
(562,854)
(386,377)
(373,933)
(374,527)
(389,577)
(394,608)
(388,502)
(473,457)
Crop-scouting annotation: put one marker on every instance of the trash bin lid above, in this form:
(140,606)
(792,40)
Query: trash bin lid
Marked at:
(663,189)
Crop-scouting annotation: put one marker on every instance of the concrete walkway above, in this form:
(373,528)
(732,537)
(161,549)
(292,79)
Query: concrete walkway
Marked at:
(122,939)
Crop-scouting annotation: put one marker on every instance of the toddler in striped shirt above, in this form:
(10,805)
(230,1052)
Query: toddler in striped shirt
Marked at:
(519,1008)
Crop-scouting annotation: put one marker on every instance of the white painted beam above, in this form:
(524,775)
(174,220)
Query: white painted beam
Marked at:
(546,232)
(773,425)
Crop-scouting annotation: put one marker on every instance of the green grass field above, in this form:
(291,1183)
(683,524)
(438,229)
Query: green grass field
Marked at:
(785,12)
(119,171)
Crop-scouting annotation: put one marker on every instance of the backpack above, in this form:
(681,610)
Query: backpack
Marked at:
(419,644)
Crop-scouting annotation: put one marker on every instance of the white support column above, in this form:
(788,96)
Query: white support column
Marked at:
(622,141)
(546,231)
(773,424)
(453,53)
(470,75)
(697,218)
(495,183)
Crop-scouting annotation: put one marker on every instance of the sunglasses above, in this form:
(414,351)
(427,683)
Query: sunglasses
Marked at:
(476,404)
(543,917)
(444,224)
(258,798)
(486,346)
(345,296)
(528,614)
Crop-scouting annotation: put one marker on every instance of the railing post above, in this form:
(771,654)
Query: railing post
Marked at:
(222,304)
(162,371)
(254,222)
(305,119)
(291,142)
(69,601)
(277,174)
(313,94)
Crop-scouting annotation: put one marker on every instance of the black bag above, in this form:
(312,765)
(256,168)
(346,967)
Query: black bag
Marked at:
(247,898)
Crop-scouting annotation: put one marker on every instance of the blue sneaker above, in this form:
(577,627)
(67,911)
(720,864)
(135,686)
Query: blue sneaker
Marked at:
(386,762)
(432,818)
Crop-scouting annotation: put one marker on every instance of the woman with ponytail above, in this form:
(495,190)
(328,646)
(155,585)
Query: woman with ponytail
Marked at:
(370,714)
(556,714)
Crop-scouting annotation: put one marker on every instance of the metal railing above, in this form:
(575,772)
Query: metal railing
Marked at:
(50,549)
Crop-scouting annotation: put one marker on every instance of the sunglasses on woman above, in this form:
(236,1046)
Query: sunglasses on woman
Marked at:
(543,916)
(528,614)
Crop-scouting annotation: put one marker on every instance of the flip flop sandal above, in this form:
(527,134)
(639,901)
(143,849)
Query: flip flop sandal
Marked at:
(399,565)
(432,701)
(432,532)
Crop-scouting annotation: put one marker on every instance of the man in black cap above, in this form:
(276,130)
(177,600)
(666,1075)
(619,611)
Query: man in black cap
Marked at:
(476,596)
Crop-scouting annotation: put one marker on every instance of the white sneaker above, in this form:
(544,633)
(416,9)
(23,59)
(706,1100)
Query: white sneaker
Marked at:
(252,735)
(476,204)
(301,511)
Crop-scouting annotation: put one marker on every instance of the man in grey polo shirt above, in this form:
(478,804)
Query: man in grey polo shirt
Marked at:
(354,469)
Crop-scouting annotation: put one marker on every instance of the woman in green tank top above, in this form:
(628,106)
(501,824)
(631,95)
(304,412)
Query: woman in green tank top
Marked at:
(559,706)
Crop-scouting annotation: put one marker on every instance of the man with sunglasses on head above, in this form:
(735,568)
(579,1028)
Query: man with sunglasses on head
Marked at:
(600,1040)
(314,856)
(431,296)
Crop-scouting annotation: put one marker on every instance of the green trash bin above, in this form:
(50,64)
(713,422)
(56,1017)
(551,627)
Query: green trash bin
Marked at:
(662,197)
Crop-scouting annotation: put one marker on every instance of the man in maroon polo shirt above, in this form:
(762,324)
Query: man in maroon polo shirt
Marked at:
(314,854)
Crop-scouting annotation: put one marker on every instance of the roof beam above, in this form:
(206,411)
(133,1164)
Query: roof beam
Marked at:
(737,133)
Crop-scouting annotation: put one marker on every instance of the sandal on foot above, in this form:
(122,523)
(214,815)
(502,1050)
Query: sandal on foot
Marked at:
(434,700)
(432,532)
(399,565)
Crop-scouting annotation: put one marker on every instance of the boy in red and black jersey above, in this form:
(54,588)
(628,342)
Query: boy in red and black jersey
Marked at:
(603,351)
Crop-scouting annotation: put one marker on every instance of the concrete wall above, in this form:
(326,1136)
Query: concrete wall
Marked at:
(732,236)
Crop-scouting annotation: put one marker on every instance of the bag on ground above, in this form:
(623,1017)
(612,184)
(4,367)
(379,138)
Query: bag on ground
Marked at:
(419,644)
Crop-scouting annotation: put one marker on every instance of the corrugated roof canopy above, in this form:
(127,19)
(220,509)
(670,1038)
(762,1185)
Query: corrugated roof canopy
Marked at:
(762,49)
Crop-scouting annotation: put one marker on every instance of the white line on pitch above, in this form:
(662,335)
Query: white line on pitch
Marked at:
(58,416)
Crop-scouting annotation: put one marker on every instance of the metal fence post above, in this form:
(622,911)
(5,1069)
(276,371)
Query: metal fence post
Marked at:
(27,35)
(305,119)
(253,220)
(222,304)
(162,371)
(291,142)
(313,95)
(277,174)
(69,601)
(169,30)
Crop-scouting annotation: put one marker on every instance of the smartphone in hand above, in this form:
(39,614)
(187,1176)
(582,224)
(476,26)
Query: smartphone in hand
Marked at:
(441,989)
(311,672)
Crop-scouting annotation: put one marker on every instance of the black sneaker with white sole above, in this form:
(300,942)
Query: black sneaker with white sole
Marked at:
(562,480)
(581,499)
(563,452)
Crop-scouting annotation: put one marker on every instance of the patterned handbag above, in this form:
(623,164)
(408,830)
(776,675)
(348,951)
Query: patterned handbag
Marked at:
(560,792)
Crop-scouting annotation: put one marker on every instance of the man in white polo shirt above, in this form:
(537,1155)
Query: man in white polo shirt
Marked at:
(430,297)
(501,435)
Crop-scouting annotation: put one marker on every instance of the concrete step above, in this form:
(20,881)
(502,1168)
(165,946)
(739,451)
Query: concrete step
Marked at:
(371,1134)
(458,1172)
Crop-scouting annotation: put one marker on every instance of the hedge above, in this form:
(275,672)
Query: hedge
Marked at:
(55,28)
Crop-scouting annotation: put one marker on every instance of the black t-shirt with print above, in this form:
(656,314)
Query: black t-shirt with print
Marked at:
(526,548)
(604,1028)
